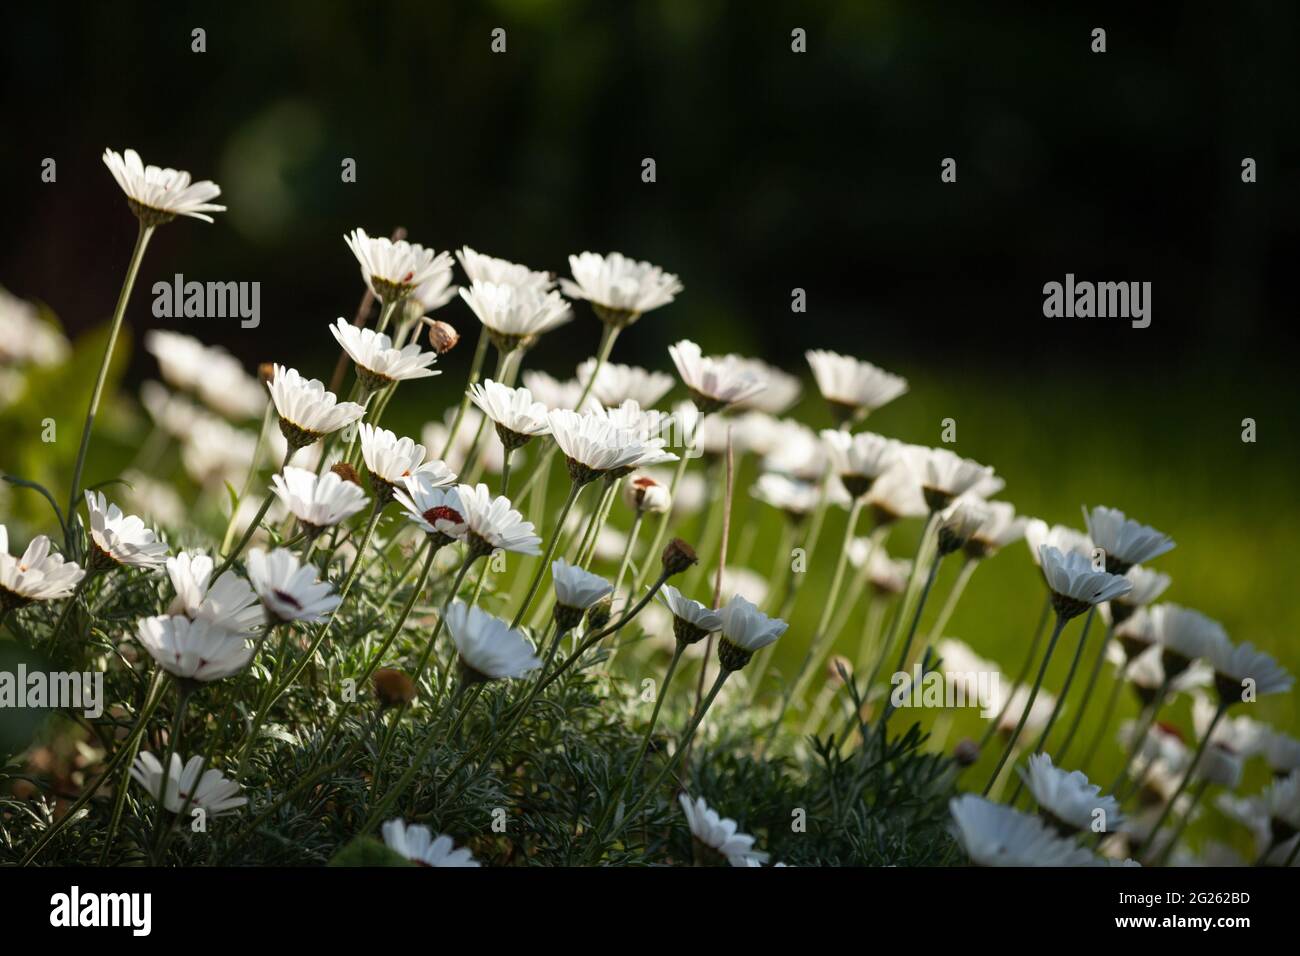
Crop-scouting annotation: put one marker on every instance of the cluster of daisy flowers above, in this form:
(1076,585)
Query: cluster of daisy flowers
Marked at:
(301,544)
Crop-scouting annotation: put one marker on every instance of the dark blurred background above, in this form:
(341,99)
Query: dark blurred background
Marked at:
(775,170)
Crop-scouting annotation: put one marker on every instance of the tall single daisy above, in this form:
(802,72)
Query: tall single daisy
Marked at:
(619,289)
(378,364)
(851,387)
(1075,584)
(1148,585)
(518,419)
(745,631)
(307,411)
(393,270)
(575,591)
(418,844)
(158,195)
(1242,672)
(614,384)
(1184,635)
(859,459)
(193,650)
(391,460)
(210,792)
(945,476)
(1125,542)
(228,603)
(714,381)
(692,621)
(36,575)
(492,522)
(1067,800)
(487,647)
(121,539)
(289,588)
(781,392)
(514,316)
(317,501)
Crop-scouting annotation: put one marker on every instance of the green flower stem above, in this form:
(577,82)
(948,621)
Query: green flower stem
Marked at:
(632,535)
(132,746)
(781,561)
(461,702)
(574,489)
(1088,688)
(132,270)
(608,335)
(612,806)
(475,369)
(904,604)
(183,695)
(1029,704)
(119,758)
(661,525)
(1186,818)
(676,758)
(267,417)
(1107,714)
(505,471)
(252,525)
(861,583)
(958,588)
(262,706)
(906,651)
(1145,721)
(1039,631)
(1187,776)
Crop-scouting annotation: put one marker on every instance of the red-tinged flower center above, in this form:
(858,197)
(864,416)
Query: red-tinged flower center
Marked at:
(408,277)
(644,482)
(443,513)
(1171,730)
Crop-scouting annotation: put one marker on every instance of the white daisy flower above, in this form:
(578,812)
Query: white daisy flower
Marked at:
(1282,799)
(517,417)
(392,460)
(859,459)
(1148,585)
(24,338)
(435,508)
(1067,799)
(794,497)
(1011,710)
(488,648)
(616,383)
(714,381)
(288,588)
(1220,766)
(37,574)
(794,449)
(513,316)
(575,590)
(1281,751)
(1061,537)
(1183,635)
(491,523)
(692,621)
(945,475)
(157,195)
(745,630)
(647,495)
(392,270)
(959,522)
(895,496)
(999,528)
(781,389)
(595,446)
(214,452)
(226,388)
(997,835)
(229,604)
(1125,542)
(1243,672)
(193,649)
(172,413)
(418,844)
(1075,585)
(1147,673)
(718,835)
(212,792)
(182,359)
(619,289)
(852,387)
(555,394)
(122,539)
(378,364)
(317,501)
(484,268)
(307,410)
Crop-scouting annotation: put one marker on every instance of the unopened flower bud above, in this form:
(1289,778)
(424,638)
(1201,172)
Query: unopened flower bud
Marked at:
(678,556)
(839,670)
(346,472)
(393,688)
(598,614)
(266,372)
(442,337)
(966,753)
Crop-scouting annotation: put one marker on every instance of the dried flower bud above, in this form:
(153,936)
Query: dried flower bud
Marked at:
(678,556)
(966,753)
(598,614)
(442,337)
(839,669)
(346,472)
(393,688)
(266,372)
